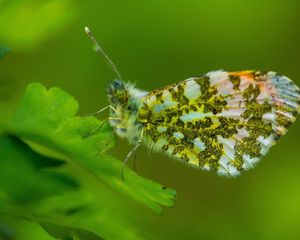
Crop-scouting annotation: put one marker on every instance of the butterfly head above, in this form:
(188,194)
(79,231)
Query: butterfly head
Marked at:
(117,93)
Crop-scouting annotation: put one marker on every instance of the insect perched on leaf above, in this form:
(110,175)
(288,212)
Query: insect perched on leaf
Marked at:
(221,121)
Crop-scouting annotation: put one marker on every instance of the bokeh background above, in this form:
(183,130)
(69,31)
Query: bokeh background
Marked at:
(155,43)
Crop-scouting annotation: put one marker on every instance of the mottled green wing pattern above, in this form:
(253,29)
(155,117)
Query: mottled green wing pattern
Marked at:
(223,121)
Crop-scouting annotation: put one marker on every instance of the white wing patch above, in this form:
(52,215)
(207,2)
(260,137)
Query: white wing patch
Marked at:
(192,90)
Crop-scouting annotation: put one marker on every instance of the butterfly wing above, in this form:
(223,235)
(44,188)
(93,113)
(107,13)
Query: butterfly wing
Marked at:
(224,121)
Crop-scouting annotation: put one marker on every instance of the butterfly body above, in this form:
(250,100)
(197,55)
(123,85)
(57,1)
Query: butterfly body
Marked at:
(222,121)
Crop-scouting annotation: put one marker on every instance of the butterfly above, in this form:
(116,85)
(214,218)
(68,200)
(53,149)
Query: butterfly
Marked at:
(221,121)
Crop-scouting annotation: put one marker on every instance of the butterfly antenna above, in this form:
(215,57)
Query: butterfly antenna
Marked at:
(99,50)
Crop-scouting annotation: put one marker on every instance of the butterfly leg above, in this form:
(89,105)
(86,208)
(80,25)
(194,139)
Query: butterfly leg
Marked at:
(131,153)
(102,124)
(134,162)
(97,129)
(100,111)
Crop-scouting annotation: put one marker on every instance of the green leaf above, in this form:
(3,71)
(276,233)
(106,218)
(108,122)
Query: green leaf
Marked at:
(21,22)
(27,178)
(22,171)
(48,118)
(41,190)
(68,233)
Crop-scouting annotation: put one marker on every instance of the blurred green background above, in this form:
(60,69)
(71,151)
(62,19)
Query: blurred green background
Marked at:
(155,43)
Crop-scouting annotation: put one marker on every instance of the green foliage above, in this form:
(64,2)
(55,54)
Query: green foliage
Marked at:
(45,120)
(23,170)
(68,233)
(22,21)
(27,178)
